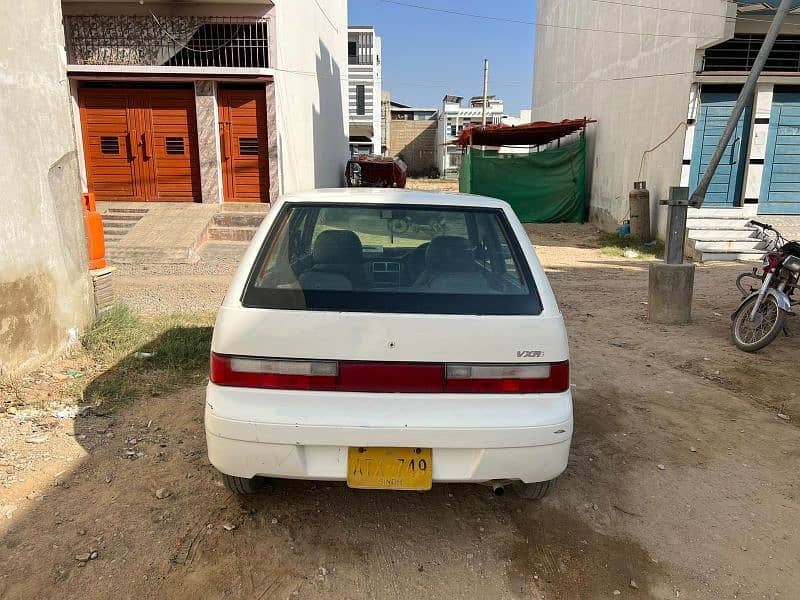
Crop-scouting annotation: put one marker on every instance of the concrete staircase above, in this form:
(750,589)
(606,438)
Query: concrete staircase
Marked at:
(721,234)
(232,228)
(117,222)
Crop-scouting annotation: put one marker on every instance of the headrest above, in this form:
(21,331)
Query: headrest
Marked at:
(337,247)
(448,253)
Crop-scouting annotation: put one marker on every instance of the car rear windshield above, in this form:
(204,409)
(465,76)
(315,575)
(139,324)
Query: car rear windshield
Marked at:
(395,259)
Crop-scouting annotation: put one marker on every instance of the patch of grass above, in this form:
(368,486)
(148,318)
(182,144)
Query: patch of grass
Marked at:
(613,244)
(143,357)
(114,333)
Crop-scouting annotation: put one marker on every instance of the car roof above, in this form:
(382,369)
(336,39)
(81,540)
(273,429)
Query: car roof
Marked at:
(394,196)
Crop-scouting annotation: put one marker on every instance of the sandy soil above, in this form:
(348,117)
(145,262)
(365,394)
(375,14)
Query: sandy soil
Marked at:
(682,482)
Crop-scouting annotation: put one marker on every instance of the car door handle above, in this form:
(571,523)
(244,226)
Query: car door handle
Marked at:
(133,144)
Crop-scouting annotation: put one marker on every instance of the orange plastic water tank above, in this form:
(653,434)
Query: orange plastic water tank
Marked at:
(94,233)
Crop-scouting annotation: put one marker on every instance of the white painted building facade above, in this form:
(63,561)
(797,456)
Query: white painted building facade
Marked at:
(212,101)
(364,90)
(453,118)
(661,84)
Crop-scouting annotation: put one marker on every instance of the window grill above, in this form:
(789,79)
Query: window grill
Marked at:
(359,49)
(167,41)
(174,145)
(109,144)
(248,146)
(739,53)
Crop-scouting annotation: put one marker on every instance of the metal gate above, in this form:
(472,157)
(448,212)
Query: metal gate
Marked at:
(725,190)
(780,185)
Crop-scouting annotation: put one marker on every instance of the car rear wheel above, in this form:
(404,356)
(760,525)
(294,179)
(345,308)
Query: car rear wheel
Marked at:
(535,491)
(242,486)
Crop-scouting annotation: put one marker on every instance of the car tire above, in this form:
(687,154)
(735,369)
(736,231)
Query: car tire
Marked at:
(535,491)
(242,486)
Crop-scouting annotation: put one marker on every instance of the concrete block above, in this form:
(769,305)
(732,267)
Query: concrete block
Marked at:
(670,296)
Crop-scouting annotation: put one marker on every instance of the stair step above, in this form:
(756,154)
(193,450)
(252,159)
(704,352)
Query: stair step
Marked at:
(716,213)
(121,217)
(703,223)
(239,234)
(223,249)
(722,234)
(140,211)
(731,256)
(238,219)
(728,246)
(245,207)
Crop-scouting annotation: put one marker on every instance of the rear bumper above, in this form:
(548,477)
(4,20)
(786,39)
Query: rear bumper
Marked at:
(302,435)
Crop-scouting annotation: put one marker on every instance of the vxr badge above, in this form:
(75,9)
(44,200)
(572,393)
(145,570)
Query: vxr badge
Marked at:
(529,353)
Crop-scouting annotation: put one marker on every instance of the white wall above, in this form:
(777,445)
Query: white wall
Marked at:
(310,60)
(377,94)
(631,68)
(45,294)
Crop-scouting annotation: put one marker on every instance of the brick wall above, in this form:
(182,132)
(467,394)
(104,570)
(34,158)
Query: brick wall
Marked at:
(415,143)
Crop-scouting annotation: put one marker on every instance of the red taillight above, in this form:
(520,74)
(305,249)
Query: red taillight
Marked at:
(278,374)
(539,378)
(391,377)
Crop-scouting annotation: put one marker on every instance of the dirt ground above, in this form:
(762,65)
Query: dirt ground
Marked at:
(682,482)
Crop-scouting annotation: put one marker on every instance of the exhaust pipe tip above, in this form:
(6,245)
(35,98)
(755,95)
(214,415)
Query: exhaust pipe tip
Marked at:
(498,490)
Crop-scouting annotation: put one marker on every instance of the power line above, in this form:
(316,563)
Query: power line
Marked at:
(737,18)
(335,28)
(660,8)
(522,22)
(422,83)
(627,78)
(615,2)
(459,13)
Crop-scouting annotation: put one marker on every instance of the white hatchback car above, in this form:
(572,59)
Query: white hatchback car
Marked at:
(390,339)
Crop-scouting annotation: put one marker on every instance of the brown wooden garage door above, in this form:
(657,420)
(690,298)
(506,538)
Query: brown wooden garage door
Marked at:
(243,141)
(140,144)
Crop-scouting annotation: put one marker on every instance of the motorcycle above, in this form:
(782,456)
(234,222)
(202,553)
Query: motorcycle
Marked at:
(761,316)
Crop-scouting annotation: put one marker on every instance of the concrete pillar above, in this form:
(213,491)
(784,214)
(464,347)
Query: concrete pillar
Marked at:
(205,98)
(670,297)
(757,148)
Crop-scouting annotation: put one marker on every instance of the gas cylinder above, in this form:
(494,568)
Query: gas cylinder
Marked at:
(640,211)
(94,233)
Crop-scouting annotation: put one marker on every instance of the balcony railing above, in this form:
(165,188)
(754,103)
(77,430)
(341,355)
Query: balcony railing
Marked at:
(167,41)
(359,49)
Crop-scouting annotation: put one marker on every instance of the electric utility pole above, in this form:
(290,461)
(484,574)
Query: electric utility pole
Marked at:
(744,98)
(485,89)
(672,281)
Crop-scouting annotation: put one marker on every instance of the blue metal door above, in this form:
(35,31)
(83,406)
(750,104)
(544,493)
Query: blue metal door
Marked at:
(780,185)
(726,185)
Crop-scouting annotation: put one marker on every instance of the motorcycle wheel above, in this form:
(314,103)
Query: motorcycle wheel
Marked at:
(751,336)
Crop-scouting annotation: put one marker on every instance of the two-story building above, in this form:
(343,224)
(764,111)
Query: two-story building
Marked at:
(413,138)
(452,119)
(207,101)
(364,89)
(662,82)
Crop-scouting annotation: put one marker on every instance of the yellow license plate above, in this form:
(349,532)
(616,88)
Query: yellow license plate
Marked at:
(389,468)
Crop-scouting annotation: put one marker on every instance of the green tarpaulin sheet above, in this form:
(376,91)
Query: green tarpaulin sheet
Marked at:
(542,187)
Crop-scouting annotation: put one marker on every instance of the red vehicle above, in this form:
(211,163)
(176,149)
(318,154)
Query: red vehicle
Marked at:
(375,171)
